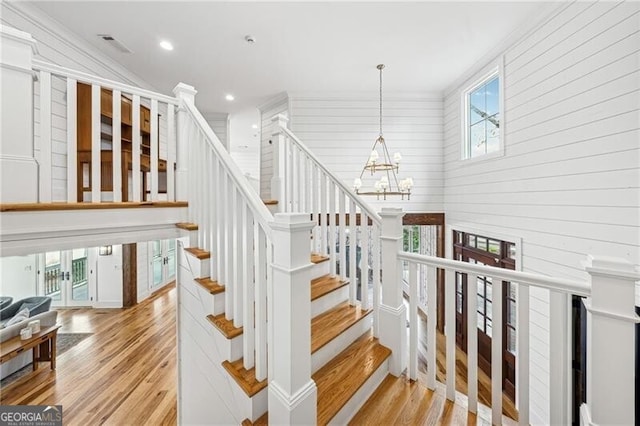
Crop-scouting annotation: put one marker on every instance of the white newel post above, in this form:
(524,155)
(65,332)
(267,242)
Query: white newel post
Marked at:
(279,139)
(186,94)
(392,315)
(611,321)
(292,392)
(17,161)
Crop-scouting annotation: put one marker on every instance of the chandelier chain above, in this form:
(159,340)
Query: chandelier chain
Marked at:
(380,68)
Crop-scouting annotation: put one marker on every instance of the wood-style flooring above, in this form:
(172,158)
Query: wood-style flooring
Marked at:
(124,374)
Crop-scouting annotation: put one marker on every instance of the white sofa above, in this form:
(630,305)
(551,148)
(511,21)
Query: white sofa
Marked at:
(47,319)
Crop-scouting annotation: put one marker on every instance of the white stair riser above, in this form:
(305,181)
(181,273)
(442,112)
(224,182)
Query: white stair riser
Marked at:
(340,343)
(319,269)
(200,268)
(329,300)
(356,402)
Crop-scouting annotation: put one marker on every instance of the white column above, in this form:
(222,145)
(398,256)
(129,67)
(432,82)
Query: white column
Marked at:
(292,392)
(392,314)
(186,94)
(17,162)
(277,180)
(611,321)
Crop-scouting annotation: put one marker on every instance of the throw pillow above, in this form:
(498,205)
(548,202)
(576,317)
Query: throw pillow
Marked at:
(20,316)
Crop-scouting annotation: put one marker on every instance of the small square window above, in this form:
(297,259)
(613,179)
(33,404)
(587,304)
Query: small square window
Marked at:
(482,117)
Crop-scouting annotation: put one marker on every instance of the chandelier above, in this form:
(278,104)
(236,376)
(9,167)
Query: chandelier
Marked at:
(388,184)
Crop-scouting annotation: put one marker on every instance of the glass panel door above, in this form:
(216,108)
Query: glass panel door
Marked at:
(163,262)
(53,276)
(79,279)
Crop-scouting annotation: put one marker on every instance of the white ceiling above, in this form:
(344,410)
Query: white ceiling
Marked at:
(300,47)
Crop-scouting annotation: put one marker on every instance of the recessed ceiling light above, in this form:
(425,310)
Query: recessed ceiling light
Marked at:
(254,126)
(166,45)
(229,97)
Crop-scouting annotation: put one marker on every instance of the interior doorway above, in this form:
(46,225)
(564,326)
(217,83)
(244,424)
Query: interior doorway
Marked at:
(162,264)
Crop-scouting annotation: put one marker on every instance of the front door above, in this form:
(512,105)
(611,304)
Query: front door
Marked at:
(487,251)
(65,277)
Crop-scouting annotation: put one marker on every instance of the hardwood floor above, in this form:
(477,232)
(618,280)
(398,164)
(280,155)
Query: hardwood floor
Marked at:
(125,373)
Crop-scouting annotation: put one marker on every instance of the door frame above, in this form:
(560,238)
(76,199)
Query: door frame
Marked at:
(449,254)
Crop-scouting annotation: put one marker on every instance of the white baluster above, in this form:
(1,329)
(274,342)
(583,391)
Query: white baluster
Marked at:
(522,359)
(472,342)
(413,321)
(353,250)
(225,253)
(211,213)
(307,187)
(248,332)
(375,243)
(45,138)
(315,208)
(116,149)
(279,159)
(96,149)
(289,176)
(260,252)
(450,332)
(332,228)
(496,352)
(72,141)
(270,307)
(219,223)
(364,261)
(154,150)
(343,234)
(323,214)
(432,286)
(238,306)
(171,150)
(135,143)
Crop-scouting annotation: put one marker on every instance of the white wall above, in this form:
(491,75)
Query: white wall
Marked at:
(142,250)
(568,183)
(109,279)
(219,123)
(341,130)
(278,105)
(18,276)
(244,140)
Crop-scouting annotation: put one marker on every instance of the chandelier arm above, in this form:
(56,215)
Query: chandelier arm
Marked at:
(393,170)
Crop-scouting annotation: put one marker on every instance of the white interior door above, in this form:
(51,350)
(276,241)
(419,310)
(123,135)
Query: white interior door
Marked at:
(65,277)
(162,265)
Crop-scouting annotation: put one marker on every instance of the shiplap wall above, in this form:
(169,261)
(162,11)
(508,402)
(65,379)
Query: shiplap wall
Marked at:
(279,105)
(568,184)
(219,123)
(341,131)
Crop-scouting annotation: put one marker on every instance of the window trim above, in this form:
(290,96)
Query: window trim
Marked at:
(497,69)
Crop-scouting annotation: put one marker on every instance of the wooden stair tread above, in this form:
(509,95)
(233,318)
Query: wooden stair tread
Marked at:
(325,285)
(210,285)
(33,207)
(187,226)
(198,252)
(270,202)
(330,324)
(318,258)
(263,420)
(341,377)
(245,378)
(225,326)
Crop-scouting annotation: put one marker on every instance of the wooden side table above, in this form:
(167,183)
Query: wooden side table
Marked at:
(42,344)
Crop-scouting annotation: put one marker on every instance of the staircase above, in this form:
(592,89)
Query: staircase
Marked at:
(348,362)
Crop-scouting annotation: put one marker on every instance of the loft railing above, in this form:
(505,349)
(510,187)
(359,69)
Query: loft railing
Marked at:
(608,296)
(110,133)
(346,227)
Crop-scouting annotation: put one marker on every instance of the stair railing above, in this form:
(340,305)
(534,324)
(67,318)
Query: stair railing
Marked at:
(233,224)
(609,298)
(101,173)
(347,228)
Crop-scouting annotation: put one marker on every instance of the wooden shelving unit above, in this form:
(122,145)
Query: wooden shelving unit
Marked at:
(106,134)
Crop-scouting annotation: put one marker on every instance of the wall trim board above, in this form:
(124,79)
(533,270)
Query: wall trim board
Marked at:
(62,34)
(544,14)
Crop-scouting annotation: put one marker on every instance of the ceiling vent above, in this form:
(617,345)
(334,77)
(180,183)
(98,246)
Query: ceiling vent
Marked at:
(109,39)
